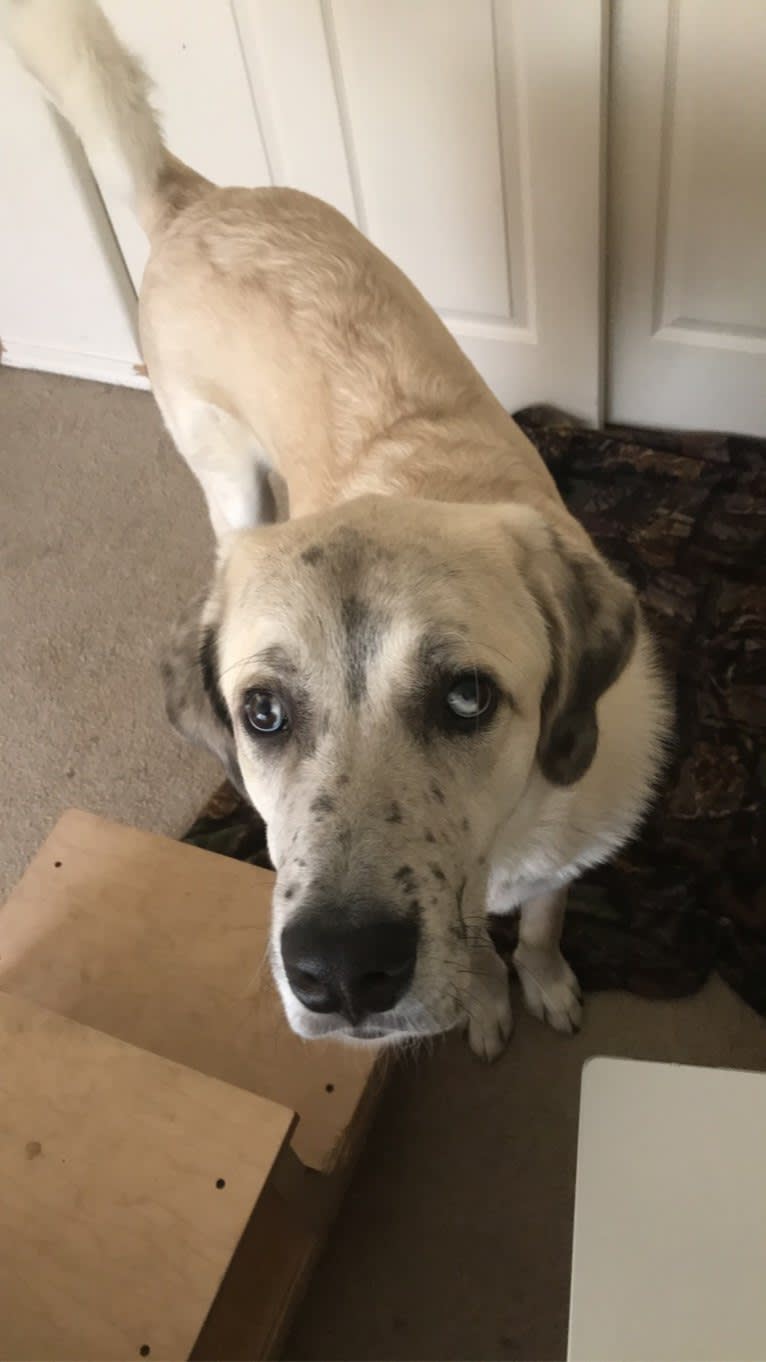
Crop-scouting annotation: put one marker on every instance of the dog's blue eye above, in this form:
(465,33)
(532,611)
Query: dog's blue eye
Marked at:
(265,712)
(471,696)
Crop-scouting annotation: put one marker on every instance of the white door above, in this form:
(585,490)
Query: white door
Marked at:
(687,240)
(463,136)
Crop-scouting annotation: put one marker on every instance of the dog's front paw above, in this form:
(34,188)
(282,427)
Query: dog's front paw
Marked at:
(489,1019)
(550,988)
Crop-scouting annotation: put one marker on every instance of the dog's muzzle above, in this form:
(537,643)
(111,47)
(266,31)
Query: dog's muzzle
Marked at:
(356,962)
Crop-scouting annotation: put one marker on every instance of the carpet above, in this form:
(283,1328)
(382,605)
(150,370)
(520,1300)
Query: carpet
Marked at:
(682,515)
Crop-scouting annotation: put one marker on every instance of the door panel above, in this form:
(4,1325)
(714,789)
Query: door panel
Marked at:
(421,96)
(687,306)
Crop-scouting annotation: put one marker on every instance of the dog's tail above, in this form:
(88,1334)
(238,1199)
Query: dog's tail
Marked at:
(103,91)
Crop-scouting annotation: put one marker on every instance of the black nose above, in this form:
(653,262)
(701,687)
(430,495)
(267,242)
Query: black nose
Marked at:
(336,964)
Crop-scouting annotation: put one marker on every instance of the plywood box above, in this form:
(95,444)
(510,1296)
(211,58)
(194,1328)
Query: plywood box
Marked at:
(161,946)
(127,1184)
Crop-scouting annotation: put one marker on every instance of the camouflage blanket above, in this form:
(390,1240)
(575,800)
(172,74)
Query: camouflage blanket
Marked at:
(683,515)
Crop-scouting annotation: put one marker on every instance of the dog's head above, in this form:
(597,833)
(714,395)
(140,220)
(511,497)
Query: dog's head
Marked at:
(385,680)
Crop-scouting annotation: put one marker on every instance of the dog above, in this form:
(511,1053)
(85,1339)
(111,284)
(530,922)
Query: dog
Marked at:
(412,659)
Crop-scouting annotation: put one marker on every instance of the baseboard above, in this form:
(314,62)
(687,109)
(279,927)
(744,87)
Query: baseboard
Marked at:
(73,363)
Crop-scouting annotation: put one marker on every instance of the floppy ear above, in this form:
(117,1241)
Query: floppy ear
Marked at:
(194,702)
(591,617)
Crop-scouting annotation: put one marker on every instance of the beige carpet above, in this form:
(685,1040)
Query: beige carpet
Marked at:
(102,534)
(455,1239)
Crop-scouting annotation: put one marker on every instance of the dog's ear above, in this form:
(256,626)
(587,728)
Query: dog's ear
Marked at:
(591,618)
(194,702)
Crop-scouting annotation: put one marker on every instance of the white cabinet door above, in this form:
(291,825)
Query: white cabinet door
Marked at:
(463,136)
(687,241)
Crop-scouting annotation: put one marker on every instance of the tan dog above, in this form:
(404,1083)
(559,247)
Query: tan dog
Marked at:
(437,693)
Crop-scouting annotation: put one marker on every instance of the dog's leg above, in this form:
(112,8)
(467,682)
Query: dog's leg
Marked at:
(550,989)
(225,457)
(487,1000)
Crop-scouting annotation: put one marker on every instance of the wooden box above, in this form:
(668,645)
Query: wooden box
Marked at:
(176,1153)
